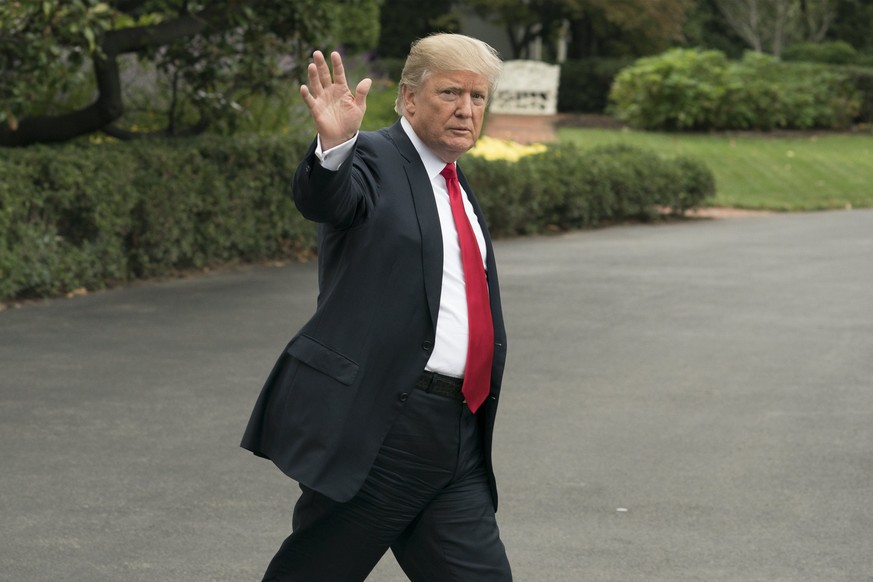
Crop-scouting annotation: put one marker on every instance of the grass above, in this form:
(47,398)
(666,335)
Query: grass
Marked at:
(810,172)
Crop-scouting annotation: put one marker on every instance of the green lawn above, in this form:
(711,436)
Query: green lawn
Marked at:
(765,172)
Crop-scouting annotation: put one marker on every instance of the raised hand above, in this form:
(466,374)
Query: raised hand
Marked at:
(337,112)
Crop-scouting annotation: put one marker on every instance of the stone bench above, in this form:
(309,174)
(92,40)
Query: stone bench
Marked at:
(527,88)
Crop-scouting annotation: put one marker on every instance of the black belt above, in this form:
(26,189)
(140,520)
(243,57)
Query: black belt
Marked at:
(441,385)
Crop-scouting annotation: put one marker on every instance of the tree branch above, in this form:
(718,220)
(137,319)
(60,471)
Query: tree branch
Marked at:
(109,105)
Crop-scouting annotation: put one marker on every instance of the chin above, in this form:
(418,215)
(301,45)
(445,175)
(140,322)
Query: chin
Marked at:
(460,146)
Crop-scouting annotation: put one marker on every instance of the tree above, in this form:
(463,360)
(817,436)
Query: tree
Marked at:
(853,23)
(629,27)
(402,22)
(762,24)
(208,52)
(706,28)
(817,17)
(598,27)
(771,25)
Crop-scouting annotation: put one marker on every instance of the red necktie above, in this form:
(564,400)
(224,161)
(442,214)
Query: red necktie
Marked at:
(480,348)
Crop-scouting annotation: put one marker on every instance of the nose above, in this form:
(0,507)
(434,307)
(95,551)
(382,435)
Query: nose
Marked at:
(464,106)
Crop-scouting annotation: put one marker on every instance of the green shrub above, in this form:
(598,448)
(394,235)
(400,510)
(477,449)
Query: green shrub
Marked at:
(569,188)
(702,90)
(835,53)
(862,79)
(91,216)
(96,215)
(680,89)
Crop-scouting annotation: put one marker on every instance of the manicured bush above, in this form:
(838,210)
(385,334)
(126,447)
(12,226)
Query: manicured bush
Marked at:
(567,188)
(862,79)
(835,52)
(680,89)
(702,90)
(92,216)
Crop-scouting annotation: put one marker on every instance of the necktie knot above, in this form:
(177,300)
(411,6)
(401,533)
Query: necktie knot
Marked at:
(451,176)
(449,172)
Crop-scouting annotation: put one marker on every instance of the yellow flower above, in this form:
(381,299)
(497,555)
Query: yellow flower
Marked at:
(491,148)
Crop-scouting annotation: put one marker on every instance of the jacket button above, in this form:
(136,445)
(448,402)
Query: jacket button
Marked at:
(427,345)
(404,396)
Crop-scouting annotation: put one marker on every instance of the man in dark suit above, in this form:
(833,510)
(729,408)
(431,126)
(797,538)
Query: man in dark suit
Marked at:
(382,406)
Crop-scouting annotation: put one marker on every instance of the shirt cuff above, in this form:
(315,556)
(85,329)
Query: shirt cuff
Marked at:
(333,158)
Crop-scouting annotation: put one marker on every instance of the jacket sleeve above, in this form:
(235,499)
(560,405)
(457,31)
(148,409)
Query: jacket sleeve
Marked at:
(341,198)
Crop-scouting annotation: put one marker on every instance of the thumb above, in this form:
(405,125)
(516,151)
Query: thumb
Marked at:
(361,92)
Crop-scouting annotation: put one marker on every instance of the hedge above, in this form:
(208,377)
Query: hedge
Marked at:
(702,90)
(94,216)
(832,52)
(568,188)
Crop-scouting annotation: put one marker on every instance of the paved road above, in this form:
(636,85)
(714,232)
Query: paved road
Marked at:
(683,402)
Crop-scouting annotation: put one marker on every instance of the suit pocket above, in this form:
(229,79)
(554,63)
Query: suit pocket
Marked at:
(322,358)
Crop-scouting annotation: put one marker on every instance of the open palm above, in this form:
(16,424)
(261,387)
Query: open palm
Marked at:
(336,111)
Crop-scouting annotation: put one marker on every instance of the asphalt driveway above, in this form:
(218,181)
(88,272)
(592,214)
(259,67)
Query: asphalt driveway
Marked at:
(689,401)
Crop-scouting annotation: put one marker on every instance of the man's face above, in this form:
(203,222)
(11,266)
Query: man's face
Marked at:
(447,111)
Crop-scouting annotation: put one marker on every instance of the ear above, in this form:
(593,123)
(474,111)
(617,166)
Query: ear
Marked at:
(408,96)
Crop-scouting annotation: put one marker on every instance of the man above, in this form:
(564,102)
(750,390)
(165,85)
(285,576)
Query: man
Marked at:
(382,406)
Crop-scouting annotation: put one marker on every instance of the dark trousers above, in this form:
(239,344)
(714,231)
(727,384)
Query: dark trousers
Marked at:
(426,498)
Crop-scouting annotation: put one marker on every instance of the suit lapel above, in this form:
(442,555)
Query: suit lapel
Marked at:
(427,216)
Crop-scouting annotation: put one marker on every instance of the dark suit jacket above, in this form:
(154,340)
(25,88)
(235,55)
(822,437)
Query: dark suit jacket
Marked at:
(341,381)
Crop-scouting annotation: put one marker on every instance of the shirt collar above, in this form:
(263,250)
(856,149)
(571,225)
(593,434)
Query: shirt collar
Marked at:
(432,164)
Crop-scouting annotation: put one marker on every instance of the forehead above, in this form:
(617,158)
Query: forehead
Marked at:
(466,79)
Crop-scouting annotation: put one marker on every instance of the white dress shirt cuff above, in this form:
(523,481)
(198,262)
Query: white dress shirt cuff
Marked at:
(333,158)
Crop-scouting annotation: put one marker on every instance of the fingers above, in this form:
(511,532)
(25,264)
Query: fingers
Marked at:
(308,99)
(319,75)
(339,71)
(322,69)
(361,92)
(322,86)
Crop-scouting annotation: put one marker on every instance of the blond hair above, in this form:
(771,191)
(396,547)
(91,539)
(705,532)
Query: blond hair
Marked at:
(443,53)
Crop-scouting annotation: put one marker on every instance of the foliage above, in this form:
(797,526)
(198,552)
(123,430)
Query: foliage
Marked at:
(566,187)
(771,25)
(402,22)
(834,52)
(705,28)
(172,205)
(597,27)
(702,90)
(862,79)
(42,48)
(853,23)
(207,57)
(680,89)
(157,208)
(585,83)
(609,28)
